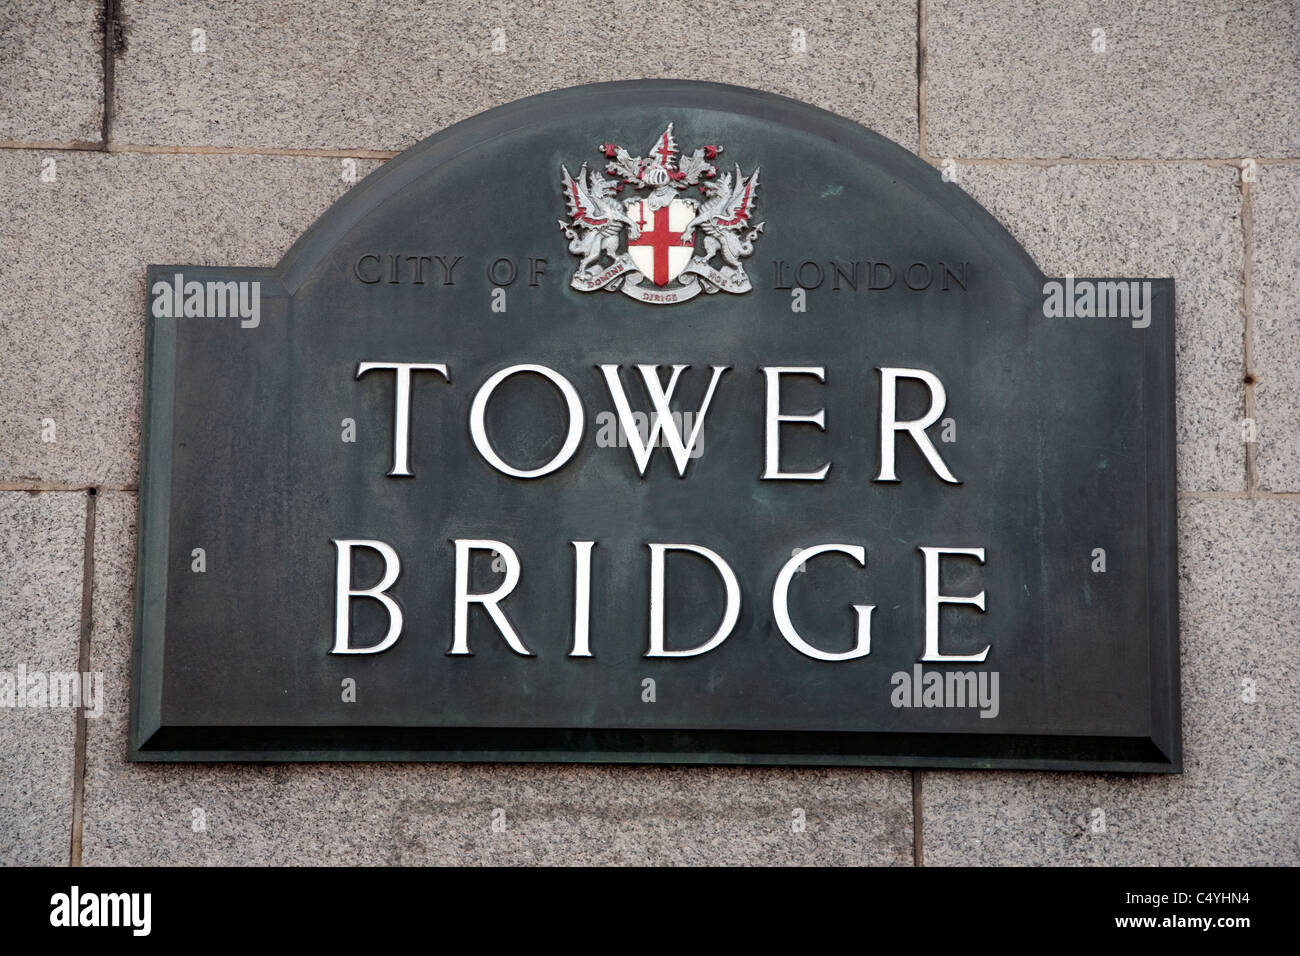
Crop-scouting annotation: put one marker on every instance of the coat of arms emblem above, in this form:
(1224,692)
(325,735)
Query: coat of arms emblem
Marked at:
(677,245)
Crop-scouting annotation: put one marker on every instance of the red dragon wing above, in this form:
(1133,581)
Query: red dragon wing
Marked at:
(740,206)
(582,208)
(665,149)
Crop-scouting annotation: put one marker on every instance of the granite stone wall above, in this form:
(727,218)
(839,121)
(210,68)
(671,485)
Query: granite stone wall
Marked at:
(1111,138)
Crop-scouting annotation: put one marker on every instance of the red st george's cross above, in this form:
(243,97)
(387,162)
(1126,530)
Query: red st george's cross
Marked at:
(662,238)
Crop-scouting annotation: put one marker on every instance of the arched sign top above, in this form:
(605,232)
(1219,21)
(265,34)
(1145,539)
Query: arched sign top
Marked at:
(567,120)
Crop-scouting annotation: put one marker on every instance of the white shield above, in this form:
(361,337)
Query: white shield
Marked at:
(660,252)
